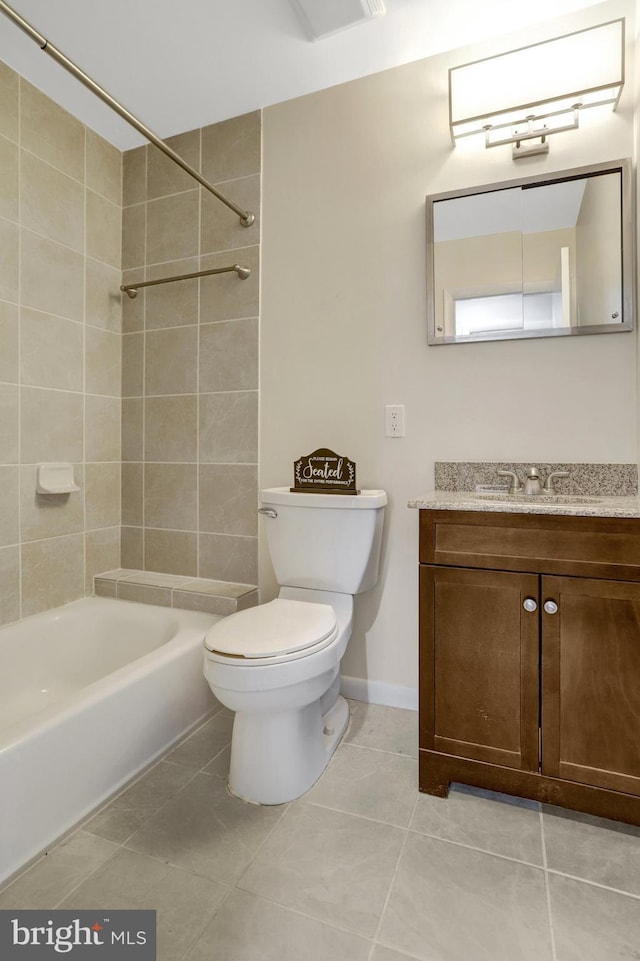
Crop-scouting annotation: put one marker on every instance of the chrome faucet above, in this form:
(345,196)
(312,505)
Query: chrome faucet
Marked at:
(548,484)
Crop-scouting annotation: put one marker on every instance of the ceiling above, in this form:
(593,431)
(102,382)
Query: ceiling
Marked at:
(178,66)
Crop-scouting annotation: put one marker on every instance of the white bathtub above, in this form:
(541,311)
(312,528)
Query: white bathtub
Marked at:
(90,693)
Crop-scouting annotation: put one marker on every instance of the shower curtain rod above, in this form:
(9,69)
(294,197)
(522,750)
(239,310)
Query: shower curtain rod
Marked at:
(246,217)
(132,289)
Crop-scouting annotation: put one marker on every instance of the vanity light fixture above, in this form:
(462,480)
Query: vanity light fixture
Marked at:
(524,96)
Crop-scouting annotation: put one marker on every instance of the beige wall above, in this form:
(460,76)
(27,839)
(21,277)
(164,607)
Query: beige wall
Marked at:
(345,174)
(60,213)
(190,359)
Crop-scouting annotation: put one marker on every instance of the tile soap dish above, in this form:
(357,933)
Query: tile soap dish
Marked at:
(55,479)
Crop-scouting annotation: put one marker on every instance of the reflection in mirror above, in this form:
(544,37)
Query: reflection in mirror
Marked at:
(532,258)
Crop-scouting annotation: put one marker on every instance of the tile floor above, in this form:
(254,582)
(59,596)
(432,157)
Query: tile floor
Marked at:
(361,869)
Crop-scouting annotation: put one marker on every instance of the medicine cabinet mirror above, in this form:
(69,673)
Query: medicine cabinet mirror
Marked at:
(543,256)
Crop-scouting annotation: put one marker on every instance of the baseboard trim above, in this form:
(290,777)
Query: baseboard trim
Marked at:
(377,692)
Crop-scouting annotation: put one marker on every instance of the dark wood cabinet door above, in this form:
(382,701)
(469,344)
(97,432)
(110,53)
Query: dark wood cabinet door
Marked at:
(591,682)
(479,665)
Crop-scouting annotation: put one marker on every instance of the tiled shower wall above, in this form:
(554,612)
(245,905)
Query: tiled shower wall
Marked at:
(190,358)
(60,347)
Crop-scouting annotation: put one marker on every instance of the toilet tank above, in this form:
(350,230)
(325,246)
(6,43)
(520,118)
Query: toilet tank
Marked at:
(330,542)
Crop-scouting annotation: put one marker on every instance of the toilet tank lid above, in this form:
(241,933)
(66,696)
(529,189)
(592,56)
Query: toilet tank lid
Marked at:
(269,630)
(365,500)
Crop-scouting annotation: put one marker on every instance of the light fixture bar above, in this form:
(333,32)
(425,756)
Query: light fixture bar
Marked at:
(531,132)
(545,80)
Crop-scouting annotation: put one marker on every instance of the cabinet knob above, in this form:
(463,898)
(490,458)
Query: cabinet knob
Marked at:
(529,605)
(550,607)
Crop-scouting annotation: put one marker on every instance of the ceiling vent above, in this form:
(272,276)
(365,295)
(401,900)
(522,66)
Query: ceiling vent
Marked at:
(324,17)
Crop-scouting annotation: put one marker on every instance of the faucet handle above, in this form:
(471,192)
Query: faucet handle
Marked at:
(515,485)
(548,484)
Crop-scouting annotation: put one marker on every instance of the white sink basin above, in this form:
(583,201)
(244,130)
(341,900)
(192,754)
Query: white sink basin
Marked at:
(567,500)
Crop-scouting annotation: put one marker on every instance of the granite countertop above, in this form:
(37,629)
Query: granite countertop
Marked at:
(469,501)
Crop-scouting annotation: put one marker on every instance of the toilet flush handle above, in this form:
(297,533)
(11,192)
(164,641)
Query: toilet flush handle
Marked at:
(269,511)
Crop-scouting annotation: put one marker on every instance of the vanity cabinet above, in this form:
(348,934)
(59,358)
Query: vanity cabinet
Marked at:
(530,657)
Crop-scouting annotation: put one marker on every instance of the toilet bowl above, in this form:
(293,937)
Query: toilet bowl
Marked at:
(289,716)
(277,666)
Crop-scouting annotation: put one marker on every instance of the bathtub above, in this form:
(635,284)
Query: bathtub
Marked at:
(90,693)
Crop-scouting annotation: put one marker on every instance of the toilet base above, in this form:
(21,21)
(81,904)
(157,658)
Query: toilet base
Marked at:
(276,758)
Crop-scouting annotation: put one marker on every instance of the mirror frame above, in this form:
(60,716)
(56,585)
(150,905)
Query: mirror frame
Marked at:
(627,252)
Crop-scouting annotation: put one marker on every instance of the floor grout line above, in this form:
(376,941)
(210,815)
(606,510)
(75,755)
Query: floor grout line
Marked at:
(593,884)
(547,889)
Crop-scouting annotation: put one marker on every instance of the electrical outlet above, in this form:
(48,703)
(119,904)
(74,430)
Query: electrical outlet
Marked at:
(394,420)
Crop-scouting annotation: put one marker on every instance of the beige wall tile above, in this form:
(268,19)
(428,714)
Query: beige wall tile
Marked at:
(9,178)
(154,579)
(49,515)
(227,557)
(220,227)
(104,167)
(104,230)
(104,588)
(171,428)
(51,351)
(229,355)
(50,426)
(134,176)
(9,277)
(8,343)
(9,85)
(144,594)
(172,305)
(134,225)
(132,426)
(52,277)
(102,495)
(103,362)
(51,203)
(103,300)
(172,552)
(132,365)
(171,361)
(103,428)
(132,547)
(102,551)
(226,296)
(52,573)
(131,497)
(50,132)
(164,176)
(9,506)
(228,499)
(9,408)
(232,148)
(133,308)
(9,584)
(170,496)
(229,428)
(172,228)
(161,238)
(205,603)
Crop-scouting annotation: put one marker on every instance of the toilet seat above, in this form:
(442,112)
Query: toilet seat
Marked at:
(276,631)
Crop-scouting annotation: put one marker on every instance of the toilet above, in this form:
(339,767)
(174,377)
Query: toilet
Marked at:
(277,666)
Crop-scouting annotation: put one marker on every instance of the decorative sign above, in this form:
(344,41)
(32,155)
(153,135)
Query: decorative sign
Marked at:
(325,472)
